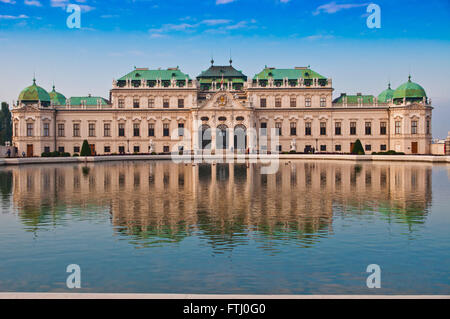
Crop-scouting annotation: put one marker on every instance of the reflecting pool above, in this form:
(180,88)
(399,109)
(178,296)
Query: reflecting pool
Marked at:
(160,227)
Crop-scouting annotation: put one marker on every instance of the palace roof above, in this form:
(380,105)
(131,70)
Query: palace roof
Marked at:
(146,74)
(34,93)
(386,95)
(409,90)
(353,99)
(57,98)
(88,100)
(217,71)
(291,74)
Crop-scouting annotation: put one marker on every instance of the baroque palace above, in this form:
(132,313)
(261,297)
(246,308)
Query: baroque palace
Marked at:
(160,111)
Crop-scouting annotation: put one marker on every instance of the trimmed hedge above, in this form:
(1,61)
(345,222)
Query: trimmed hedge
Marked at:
(55,154)
(358,148)
(390,152)
(85,149)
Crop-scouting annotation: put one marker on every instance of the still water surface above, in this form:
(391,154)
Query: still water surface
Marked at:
(160,227)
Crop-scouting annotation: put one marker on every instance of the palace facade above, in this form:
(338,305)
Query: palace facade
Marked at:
(160,111)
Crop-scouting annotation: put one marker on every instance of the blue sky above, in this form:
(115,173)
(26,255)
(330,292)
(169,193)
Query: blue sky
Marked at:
(331,36)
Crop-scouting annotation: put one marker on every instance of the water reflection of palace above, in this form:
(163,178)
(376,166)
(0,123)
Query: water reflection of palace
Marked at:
(165,201)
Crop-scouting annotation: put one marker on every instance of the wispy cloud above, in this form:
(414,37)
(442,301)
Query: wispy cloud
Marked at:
(64,3)
(215,21)
(319,37)
(34,3)
(224,1)
(8,1)
(220,25)
(334,7)
(8,17)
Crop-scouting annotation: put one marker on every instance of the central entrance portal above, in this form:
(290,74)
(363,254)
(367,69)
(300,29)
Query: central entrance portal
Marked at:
(240,138)
(205,137)
(222,137)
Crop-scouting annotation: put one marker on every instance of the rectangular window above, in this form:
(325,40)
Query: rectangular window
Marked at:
(61,130)
(151,129)
(29,129)
(180,103)
(308,102)
(337,148)
(76,149)
(76,130)
(180,129)
(263,130)
(121,103)
(46,129)
(165,129)
(293,128)
(136,103)
(136,129)
(323,102)
(323,128)
(107,130)
(279,149)
(263,102)
(46,149)
(136,149)
(151,103)
(61,149)
(414,127)
(165,103)
(91,129)
(323,148)
(337,128)
(16,129)
(368,128)
(278,128)
(352,128)
(308,128)
(398,127)
(166,149)
(428,126)
(121,149)
(293,102)
(107,149)
(383,128)
(368,147)
(121,129)
(383,147)
(278,102)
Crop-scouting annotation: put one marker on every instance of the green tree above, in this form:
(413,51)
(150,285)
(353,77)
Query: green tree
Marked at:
(358,148)
(5,124)
(85,149)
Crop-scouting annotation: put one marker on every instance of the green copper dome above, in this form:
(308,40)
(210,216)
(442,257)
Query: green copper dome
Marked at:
(410,91)
(386,95)
(34,93)
(57,98)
